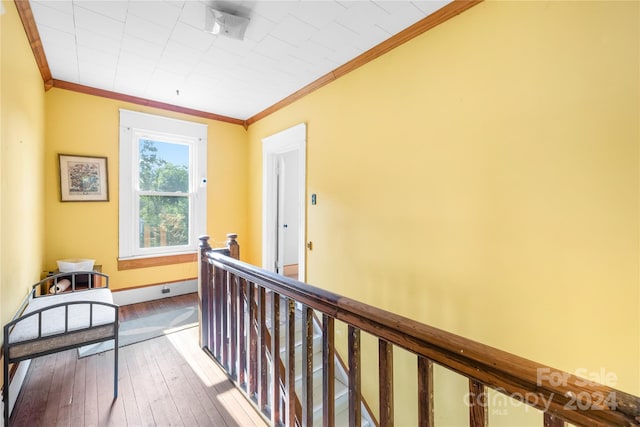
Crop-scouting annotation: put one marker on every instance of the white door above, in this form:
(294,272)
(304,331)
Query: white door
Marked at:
(283,219)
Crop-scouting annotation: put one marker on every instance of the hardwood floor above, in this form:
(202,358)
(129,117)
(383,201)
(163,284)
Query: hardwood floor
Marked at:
(291,271)
(163,381)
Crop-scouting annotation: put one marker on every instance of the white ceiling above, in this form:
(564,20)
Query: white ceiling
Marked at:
(158,49)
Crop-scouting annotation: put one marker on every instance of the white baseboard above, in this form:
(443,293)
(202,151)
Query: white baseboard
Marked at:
(150,293)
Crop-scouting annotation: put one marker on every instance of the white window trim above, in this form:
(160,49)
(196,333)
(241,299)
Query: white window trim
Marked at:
(134,125)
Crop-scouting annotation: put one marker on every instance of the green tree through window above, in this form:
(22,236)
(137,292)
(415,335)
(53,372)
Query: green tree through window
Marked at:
(164,194)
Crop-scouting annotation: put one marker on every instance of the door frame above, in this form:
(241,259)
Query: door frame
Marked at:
(291,139)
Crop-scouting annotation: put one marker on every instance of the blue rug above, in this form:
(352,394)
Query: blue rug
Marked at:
(145,328)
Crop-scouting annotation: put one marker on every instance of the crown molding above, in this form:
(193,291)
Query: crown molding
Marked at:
(29,24)
(88,90)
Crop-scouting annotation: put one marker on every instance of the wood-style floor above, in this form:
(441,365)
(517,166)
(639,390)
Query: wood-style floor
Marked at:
(166,381)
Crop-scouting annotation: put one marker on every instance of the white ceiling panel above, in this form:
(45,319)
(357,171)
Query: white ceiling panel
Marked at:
(222,59)
(361,15)
(140,48)
(60,19)
(273,48)
(335,36)
(90,55)
(312,52)
(318,13)
(258,28)
(192,37)
(131,81)
(60,49)
(372,34)
(162,13)
(292,30)
(159,50)
(275,11)
(147,30)
(401,18)
(429,6)
(193,14)
(96,75)
(116,10)
(61,6)
(98,23)
(181,53)
(390,7)
(98,42)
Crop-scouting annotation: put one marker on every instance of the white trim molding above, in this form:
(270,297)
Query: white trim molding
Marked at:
(292,139)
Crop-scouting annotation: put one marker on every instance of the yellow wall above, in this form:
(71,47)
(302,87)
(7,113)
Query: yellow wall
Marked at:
(21,153)
(88,125)
(483,178)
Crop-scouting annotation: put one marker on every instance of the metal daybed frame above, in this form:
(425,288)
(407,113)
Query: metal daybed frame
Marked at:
(61,321)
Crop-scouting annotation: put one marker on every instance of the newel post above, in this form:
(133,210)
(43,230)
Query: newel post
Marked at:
(204,292)
(232,245)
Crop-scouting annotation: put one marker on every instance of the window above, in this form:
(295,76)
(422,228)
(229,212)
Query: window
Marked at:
(162,185)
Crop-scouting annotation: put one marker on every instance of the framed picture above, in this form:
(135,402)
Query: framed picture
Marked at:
(83,178)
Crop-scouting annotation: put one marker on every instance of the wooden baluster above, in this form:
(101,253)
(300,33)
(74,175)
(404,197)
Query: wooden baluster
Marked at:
(229,317)
(275,359)
(425,392)
(227,306)
(217,310)
(204,293)
(224,304)
(243,308)
(253,343)
(307,367)
(355,400)
(478,415)
(385,371)
(552,421)
(233,345)
(211,311)
(290,387)
(262,349)
(328,372)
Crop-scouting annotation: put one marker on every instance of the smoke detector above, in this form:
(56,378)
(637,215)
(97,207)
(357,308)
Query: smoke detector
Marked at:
(221,23)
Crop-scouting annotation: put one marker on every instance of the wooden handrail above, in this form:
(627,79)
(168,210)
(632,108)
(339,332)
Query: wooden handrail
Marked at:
(559,394)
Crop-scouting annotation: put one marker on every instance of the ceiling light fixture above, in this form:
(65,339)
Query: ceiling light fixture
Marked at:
(226,24)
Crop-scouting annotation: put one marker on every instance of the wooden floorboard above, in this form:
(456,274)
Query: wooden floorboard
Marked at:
(90,398)
(79,380)
(65,396)
(163,381)
(143,392)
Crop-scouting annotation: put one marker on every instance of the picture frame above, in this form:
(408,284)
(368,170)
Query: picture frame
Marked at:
(83,178)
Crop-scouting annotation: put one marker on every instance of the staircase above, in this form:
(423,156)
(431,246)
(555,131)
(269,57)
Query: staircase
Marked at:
(341,378)
(232,292)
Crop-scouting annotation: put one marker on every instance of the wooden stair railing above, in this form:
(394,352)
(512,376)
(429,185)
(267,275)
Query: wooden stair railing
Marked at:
(222,325)
(253,313)
(224,278)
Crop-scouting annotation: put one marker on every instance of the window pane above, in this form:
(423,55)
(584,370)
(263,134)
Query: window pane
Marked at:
(163,166)
(162,210)
(164,221)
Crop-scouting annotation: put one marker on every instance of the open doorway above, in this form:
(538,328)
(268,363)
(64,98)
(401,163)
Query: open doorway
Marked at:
(283,201)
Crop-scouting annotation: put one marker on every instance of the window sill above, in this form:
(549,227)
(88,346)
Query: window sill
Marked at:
(134,263)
